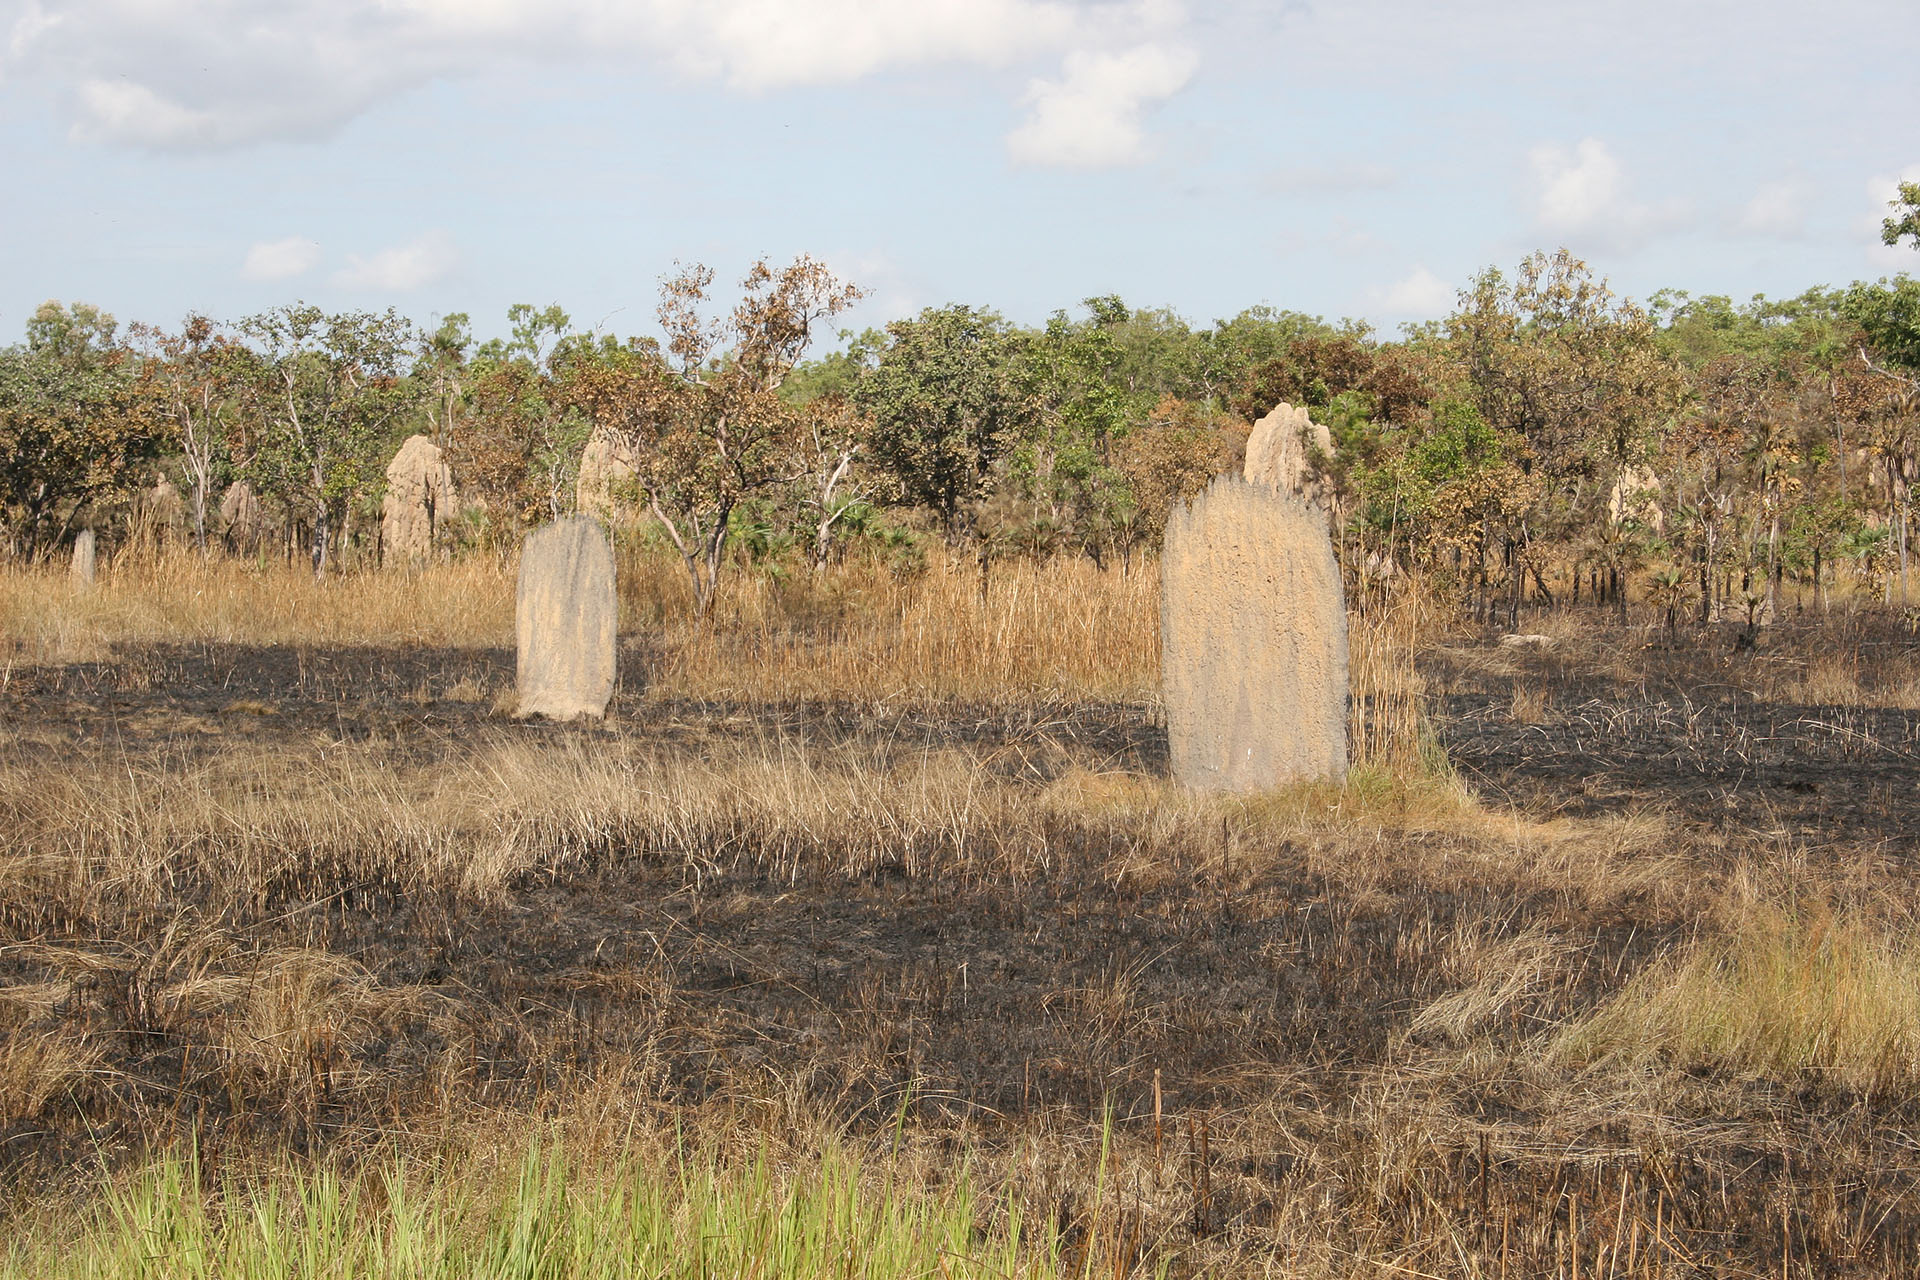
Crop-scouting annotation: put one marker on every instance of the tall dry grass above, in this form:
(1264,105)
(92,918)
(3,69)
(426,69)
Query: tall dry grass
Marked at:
(1038,631)
(1786,991)
(174,596)
(1051,631)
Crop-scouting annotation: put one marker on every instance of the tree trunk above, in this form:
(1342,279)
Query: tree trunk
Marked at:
(320,539)
(1705,552)
(1773,567)
(1903,544)
(716,546)
(200,511)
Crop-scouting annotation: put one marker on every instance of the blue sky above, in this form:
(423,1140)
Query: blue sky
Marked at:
(1359,158)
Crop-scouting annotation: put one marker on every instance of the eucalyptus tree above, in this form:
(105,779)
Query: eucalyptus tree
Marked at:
(702,418)
(516,442)
(1904,224)
(200,374)
(78,416)
(1581,381)
(329,394)
(946,402)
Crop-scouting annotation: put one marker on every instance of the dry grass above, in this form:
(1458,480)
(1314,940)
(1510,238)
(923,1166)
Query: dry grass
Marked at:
(175,597)
(1041,632)
(252,830)
(1846,671)
(177,928)
(1047,631)
(1788,992)
(883,862)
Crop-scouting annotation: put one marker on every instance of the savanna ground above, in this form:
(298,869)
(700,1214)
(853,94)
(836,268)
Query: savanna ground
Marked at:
(869,921)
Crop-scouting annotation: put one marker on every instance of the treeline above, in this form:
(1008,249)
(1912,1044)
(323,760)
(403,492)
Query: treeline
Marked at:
(1547,444)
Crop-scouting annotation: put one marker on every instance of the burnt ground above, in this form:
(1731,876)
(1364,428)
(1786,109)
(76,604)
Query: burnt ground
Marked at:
(1688,730)
(1687,734)
(1267,994)
(195,700)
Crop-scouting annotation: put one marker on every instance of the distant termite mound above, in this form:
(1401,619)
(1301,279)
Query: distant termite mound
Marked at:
(419,501)
(241,517)
(1280,453)
(604,487)
(1253,641)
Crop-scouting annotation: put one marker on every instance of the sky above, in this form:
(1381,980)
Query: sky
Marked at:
(1355,158)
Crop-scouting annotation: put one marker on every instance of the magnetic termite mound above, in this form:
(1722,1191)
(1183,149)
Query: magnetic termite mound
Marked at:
(564,619)
(1253,641)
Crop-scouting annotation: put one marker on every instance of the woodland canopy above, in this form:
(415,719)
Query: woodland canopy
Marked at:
(1542,445)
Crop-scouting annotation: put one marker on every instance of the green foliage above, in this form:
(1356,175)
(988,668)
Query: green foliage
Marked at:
(1905,222)
(1459,444)
(946,403)
(1425,484)
(1696,331)
(1225,353)
(835,373)
(79,414)
(1888,313)
(330,398)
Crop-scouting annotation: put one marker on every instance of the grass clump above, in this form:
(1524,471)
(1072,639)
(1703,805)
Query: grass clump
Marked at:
(1788,993)
(552,1216)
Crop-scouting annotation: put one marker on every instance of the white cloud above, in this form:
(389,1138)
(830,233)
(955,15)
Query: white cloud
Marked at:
(33,21)
(772,44)
(1422,295)
(403,268)
(1881,190)
(281,259)
(1582,193)
(122,111)
(1575,188)
(199,74)
(1777,210)
(1091,117)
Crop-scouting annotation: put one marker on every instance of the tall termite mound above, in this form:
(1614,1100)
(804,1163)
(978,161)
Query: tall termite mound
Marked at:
(1280,453)
(81,570)
(565,621)
(419,501)
(604,486)
(1253,641)
(162,512)
(241,517)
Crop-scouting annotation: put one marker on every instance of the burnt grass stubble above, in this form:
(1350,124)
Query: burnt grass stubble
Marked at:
(1268,999)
